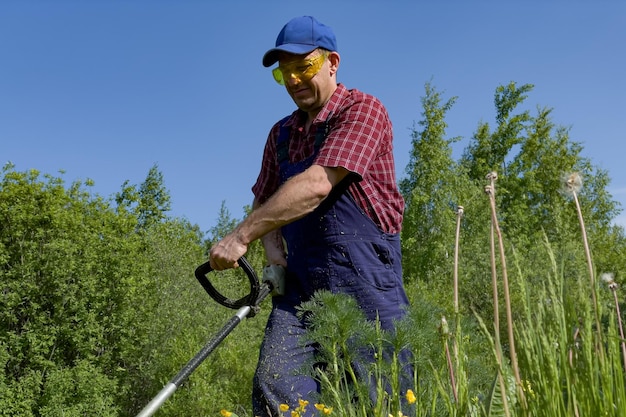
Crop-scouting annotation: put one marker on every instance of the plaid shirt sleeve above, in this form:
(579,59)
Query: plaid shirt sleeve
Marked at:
(268,180)
(360,140)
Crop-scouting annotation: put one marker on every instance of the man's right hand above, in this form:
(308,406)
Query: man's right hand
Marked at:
(226,252)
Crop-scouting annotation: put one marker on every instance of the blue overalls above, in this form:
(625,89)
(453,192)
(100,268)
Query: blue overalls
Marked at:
(338,248)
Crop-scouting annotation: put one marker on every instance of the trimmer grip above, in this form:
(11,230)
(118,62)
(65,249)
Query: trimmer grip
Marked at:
(250,299)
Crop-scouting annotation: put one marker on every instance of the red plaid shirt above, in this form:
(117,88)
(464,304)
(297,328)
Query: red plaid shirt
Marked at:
(359,140)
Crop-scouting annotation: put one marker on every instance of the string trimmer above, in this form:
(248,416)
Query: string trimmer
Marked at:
(246,306)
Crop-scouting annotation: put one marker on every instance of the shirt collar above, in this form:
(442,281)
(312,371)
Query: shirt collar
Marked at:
(332,105)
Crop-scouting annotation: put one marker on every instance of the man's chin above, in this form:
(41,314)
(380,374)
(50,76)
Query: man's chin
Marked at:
(304,105)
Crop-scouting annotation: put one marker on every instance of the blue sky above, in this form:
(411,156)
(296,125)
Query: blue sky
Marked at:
(103,90)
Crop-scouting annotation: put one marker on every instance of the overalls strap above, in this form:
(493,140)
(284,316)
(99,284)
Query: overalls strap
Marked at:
(282,142)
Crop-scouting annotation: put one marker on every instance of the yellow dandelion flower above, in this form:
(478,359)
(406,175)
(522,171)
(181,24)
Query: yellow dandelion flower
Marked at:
(283,407)
(295,414)
(410,396)
(327,410)
(303,403)
(319,407)
(226,413)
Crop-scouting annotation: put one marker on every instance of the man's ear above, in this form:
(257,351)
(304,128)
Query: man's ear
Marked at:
(333,59)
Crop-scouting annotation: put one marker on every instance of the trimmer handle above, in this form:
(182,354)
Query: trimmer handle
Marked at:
(248,300)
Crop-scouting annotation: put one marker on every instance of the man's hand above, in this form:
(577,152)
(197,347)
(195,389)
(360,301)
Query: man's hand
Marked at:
(226,252)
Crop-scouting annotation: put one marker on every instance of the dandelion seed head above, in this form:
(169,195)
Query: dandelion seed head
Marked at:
(459,210)
(608,277)
(488,189)
(493,175)
(573,183)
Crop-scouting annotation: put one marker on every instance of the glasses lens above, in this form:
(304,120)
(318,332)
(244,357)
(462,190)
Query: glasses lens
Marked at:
(302,70)
(278,76)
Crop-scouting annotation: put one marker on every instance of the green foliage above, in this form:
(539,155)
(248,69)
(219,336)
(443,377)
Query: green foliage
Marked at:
(432,189)
(79,391)
(72,291)
(489,152)
(148,202)
(100,307)
(531,155)
(569,367)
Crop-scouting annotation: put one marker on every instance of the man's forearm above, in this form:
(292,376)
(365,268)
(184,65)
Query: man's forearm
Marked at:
(298,197)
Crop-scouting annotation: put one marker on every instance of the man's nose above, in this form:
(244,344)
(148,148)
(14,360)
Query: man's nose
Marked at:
(292,80)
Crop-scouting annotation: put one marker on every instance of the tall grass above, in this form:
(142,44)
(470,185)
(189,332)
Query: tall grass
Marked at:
(566,353)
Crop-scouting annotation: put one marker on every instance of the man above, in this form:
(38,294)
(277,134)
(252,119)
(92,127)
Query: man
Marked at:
(327,188)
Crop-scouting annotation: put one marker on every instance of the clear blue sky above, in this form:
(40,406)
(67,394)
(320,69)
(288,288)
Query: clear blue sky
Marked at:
(104,90)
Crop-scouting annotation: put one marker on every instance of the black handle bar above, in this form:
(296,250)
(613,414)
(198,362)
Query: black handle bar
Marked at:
(248,300)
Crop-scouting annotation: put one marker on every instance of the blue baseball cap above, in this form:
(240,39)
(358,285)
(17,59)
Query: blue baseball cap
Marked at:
(301,35)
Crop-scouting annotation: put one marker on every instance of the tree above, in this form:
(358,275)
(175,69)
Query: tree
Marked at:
(224,225)
(74,294)
(149,202)
(488,152)
(532,156)
(432,190)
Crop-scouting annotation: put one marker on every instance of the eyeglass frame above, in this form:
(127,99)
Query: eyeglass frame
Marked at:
(300,74)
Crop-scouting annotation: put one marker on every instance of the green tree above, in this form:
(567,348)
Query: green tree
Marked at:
(149,201)
(532,157)
(490,151)
(432,188)
(74,288)
(224,225)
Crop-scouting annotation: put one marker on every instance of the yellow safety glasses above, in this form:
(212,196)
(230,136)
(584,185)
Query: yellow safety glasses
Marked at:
(302,69)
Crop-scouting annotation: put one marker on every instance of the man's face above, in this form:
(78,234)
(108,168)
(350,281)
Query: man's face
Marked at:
(309,93)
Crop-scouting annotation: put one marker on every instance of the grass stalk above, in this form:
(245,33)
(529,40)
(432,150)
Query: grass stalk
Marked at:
(573,184)
(490,190)
(608,278)
(459,215)
(445,334)
(457,315)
